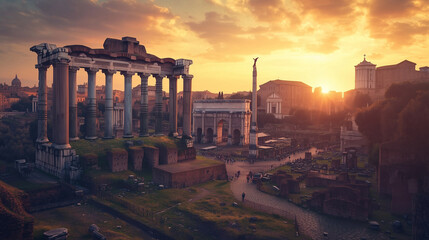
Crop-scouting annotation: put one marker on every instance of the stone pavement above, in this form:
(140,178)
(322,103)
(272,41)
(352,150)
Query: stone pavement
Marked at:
(310,223)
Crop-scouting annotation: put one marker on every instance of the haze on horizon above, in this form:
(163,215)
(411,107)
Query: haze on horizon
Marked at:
(317,42)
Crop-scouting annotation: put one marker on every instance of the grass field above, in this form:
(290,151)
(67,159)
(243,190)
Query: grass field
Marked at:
(78,219)
(204,211)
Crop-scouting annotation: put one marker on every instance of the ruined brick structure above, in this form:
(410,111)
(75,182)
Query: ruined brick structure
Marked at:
(343,201)
(181,175)
(117,159)
(135,158)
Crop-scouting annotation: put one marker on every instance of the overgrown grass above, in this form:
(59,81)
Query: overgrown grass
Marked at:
(205,211)
(78,219)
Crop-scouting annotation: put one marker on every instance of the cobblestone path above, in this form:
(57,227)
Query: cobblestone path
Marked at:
(310,223)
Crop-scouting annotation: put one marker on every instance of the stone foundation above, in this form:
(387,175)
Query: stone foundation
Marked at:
(135,158)
(117,158)
(187,154)
(167,155)
(189,177)
(151,156)
(56,161)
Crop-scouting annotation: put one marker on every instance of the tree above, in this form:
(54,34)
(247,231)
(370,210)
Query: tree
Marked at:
(265,118)
(361,100)
(24,104)
(402,116)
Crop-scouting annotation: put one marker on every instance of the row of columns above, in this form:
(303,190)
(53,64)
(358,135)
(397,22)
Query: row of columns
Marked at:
(65,78)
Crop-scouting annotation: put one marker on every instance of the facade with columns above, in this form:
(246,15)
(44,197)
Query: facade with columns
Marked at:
(125,56)
(221,120)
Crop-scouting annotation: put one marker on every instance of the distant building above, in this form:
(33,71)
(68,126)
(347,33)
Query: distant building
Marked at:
(375,81)
(221,120)
(279,97)
(4,102)
(82,89)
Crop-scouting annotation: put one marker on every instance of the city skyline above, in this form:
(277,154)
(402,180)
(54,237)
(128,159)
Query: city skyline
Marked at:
(313,42)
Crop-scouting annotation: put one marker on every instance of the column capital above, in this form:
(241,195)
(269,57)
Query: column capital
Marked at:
(172,77)
(73,68)
(60,60)
(144,75)
(158,76)
(128,73)
(42,66)
(187,76)
(91,70)
(108,71)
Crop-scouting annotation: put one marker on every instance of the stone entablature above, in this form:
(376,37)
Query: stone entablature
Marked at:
(222,105)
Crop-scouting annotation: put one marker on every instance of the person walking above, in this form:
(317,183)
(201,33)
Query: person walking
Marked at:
(242,196)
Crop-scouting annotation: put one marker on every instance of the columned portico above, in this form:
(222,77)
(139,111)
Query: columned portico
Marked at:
(173,105)
(42,109)
(91,109)
(144,105)
(108,105)
(187,102)
(73,104)
(128,97)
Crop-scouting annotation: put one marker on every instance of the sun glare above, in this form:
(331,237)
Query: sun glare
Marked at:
(325,90)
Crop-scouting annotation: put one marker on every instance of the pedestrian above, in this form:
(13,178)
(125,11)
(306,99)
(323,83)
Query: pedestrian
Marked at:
(242,196)
(248,178)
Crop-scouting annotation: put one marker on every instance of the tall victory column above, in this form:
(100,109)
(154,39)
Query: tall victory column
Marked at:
(253,146)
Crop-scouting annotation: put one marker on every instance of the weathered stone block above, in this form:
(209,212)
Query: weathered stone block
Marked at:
(167,155)
(117,158)
(151,156)
(135,158)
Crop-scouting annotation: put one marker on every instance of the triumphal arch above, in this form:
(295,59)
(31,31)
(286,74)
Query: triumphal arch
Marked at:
(125,56)
(221,120)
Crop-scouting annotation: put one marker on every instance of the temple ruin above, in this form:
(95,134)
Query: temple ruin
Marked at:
(126,57)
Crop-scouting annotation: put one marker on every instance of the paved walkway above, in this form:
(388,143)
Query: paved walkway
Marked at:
(310,223)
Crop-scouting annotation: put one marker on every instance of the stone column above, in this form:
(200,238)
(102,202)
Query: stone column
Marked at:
(173,105)
(187,102)
(230,129)
(74,131)
(144,116)
(91,108)
(158,104)
(42,108)
(108,106)
(128,105)
(203,127)
(61,104)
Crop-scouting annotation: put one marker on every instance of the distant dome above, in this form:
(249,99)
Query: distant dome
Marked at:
(16,82)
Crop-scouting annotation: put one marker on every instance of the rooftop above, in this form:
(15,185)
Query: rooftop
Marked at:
(286,82)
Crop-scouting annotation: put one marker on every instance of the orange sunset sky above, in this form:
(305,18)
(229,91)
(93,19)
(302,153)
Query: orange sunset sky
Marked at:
(315,41)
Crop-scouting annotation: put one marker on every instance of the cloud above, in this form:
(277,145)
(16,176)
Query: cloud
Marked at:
(82,20)
(272,11)
(392,8)
(229,40)
(328,8)
(399,22)
(399,33)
